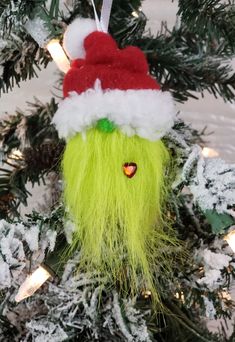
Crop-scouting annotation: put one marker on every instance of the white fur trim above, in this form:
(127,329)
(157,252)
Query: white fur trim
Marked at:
(74,37)
(147,113)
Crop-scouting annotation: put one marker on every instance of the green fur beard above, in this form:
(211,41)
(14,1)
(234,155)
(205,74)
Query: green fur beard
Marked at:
(119,221)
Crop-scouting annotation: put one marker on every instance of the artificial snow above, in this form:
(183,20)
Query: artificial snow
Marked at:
(44,331)
(16,240)
(51,239)
(37,29)
(191,162)
(210,311)
(31,237)
(74,308)
(211,181)
(3,43)
(69,229)
(5,276)
(215,261)
(137,324)
(213,185)
(212,279)
(119,318)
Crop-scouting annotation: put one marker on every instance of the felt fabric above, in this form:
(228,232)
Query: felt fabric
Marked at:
(116,69)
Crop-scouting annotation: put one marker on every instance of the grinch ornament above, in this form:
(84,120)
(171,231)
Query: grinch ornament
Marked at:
(113,117)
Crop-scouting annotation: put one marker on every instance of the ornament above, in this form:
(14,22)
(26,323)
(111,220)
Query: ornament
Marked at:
(113,116)
(130,169)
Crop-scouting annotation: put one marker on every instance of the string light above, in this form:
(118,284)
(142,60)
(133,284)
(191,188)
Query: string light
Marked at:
(50,268)
(208,152)
(146,294)
(32,283)
(180,296)
(230,238)
(135,14)
(16,154)
(58,55)
(225,295)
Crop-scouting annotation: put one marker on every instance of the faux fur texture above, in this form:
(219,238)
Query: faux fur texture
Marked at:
(74,37)
(121,228)
(146,113)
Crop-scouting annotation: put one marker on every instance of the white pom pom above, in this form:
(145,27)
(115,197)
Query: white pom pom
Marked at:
(74,37)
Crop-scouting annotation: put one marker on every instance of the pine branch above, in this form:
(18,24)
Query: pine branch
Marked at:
(14,13)
(213,21)
(20,60)
(183,64)
(20,130)
(123,24)
(40,153)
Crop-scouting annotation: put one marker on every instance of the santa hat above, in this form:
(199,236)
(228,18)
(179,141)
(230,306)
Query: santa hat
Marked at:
(105,82)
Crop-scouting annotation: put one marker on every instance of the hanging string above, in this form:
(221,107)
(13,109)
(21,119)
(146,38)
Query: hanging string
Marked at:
(99,28)
(105,14)
(103,23)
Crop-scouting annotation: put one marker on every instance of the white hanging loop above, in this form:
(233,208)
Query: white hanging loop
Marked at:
(103,23)
(99,28)
(105,14)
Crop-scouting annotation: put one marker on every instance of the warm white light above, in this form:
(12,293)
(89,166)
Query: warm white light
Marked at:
(180,296)
(58,55)
(32,283)
(225,295)
(16,154)
(230,238)
(146,294)
(135,14)
(208,152)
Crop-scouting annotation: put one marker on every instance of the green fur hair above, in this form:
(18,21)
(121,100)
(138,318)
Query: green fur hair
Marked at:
(119,220)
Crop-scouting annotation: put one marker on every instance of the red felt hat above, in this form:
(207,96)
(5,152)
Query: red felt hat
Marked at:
(107,82)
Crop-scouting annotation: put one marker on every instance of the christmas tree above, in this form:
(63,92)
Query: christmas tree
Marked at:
(48,290)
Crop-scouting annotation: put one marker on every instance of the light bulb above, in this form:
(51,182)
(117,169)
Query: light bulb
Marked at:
(208,152)
(225,295)
(146,294)
(230,238)
(16,154)
(180,296)
(58,55)
(32,283)
(135,14)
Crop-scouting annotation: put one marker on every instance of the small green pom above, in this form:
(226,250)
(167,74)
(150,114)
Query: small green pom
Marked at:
(105,125)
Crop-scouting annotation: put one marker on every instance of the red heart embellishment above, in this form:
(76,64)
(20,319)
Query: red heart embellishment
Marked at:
(130,169)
